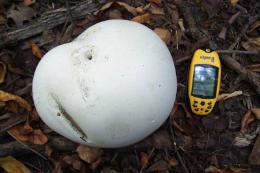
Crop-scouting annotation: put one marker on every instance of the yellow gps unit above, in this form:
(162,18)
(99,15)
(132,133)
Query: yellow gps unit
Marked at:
(204,81)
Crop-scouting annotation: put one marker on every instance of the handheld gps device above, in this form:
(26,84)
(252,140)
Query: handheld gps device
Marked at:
(204,81)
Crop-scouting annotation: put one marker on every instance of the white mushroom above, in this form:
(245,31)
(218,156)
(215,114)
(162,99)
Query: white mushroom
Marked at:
(111,87)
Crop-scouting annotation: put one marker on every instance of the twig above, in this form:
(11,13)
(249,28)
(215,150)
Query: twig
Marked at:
(182,59)
(149,156)
(176,148)
(27,147)
(243,52)
(238,38)
(231,20)
(69,10)
(47,21)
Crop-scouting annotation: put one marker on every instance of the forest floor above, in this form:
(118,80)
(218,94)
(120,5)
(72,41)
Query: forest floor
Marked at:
(225,141)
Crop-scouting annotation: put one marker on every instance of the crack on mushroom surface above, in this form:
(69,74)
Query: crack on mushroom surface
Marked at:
(68,118)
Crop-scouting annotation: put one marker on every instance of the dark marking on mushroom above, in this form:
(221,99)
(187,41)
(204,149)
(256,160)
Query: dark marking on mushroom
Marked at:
(89,56)
(63,113)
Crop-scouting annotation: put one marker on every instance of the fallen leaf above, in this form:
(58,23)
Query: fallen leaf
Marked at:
(24,132)
(74,161)
(89,154)
(145,18)
(34,116)
(124,5)
(28,2)
(156,1)
(106,6)
(12,106)
(164,34)
(144,159)
(160,165)
(5,96)
(243,140)
(226,96)
(38,137)
(2,20)
(173,162)
(129,8)
(252,44)
(254,26)
(246,120)
(11,165)
(36,50)
(10,120)
(254,158)
(115,14)
(213,169)
(256,112)
(20,14)
(234,2)
(156,10)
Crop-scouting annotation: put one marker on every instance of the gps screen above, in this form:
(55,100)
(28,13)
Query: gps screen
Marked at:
(204,81)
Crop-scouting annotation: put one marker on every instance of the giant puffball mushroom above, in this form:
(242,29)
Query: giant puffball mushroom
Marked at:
(111,87)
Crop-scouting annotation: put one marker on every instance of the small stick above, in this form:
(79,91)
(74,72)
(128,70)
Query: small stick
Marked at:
(149,156)
(27,147)
(244,52)
(251,20)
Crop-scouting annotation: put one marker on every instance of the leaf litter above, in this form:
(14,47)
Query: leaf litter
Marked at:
(185,142)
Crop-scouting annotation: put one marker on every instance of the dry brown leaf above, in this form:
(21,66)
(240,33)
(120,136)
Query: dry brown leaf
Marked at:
(38,137)
(252,44)
(36,50)
(164,34)
(115,14)
(20,13)
(34,116)
(89,154)
(144,159)
(28,2)
(2,20)
(129,8)
(156,1)
(12,106)
(74,161)
(106,6)
(5,96)
(246,120)
(156,10)
(2,72)
(254,26)
(254,68)
(11,165)
(234,2)
(145,18)
(226,96)
(173,162)
(256,112)
(213,169)
(27,133)
(160,165)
